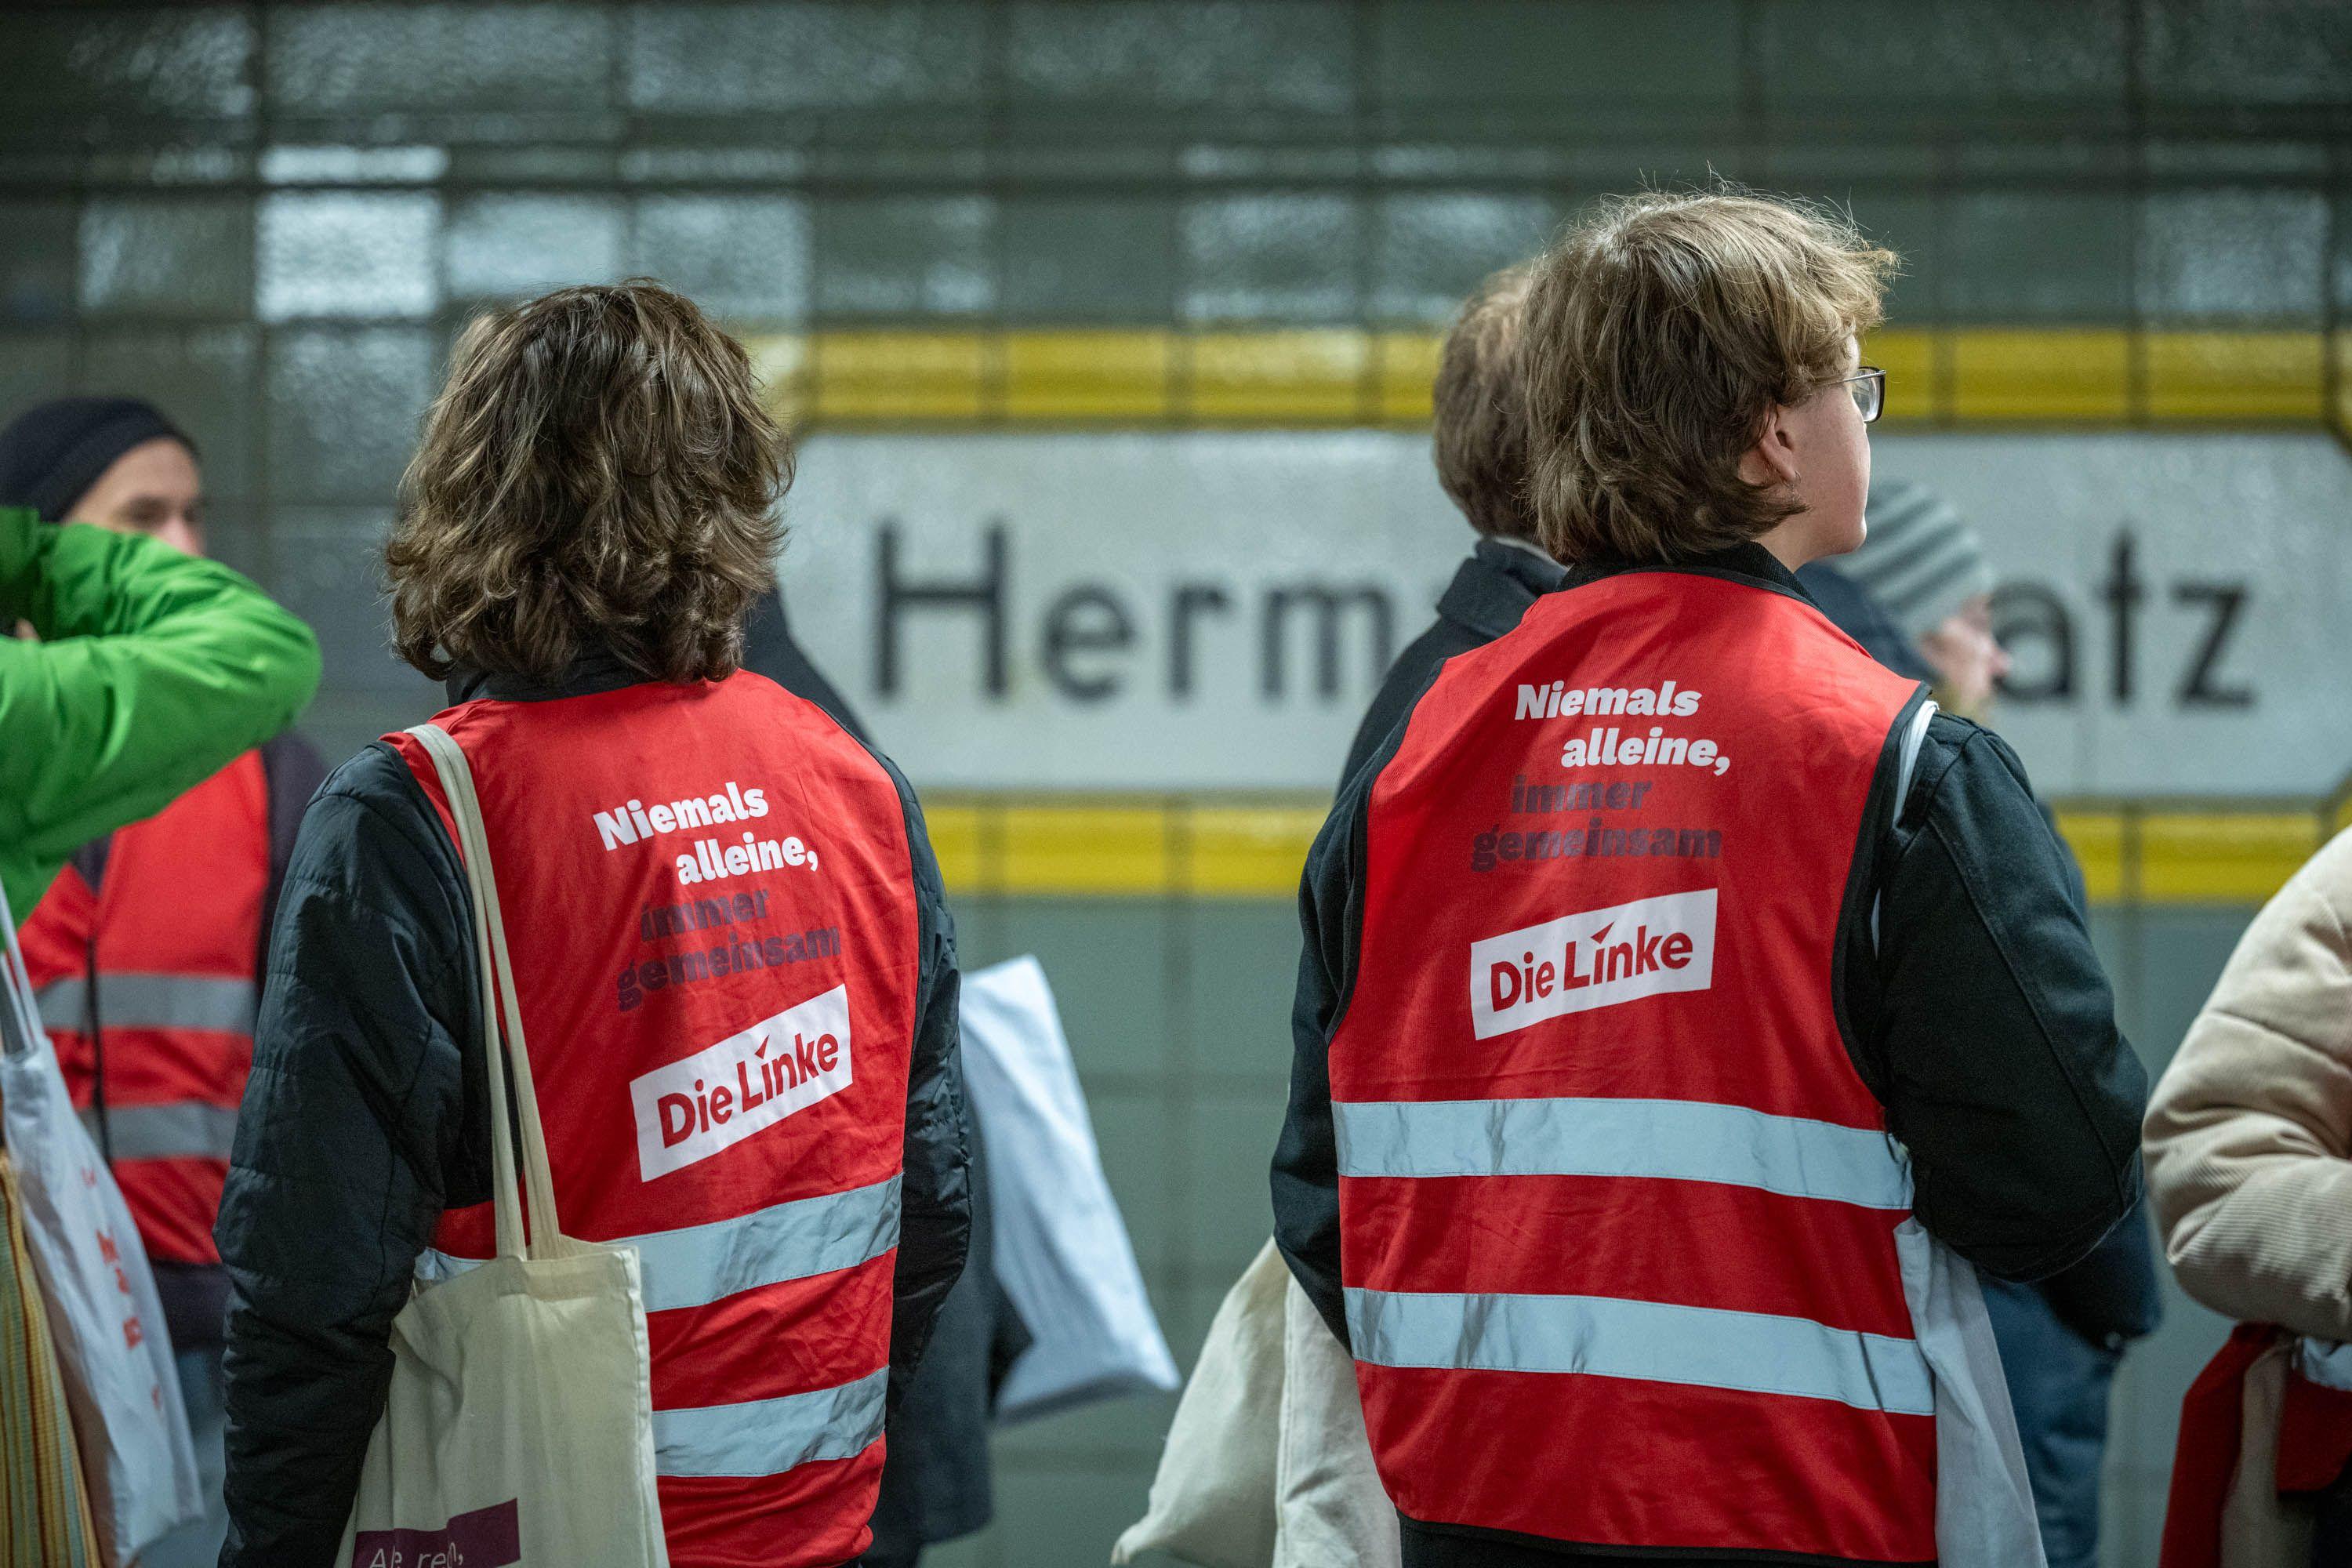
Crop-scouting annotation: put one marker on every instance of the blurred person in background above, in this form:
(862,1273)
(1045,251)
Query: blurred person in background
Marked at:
(936,1479)
(1623,1325)
(1480,443)
(1859,616)
(585,526)
(2249,1144)
(146,669)
(1924,568)
(2062,1338)
(145,954)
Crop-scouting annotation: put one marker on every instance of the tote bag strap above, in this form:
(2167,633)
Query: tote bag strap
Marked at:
(20,1024)
(545,1237)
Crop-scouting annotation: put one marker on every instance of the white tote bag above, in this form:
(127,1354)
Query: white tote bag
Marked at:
(518,1424)
(1267,1465)
(107,1325)
(1062,1251)
(1330,1509)
(1212,1499)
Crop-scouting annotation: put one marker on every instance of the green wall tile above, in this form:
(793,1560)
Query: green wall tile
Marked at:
(2038,256)
(1124,54)
(1107,960)
(745,257)
(2247,255)
(359,60)
(175,256)
(806,55)
(1275,255)
(343,410)
(513,244)
(904,255)
(204,380)
(1088,258)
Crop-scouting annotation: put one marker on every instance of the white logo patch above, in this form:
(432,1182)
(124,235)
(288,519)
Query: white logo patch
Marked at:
(1596,959)
(713,1100)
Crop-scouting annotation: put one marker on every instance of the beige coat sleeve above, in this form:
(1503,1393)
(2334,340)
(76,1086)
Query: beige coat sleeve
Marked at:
(2250,1134)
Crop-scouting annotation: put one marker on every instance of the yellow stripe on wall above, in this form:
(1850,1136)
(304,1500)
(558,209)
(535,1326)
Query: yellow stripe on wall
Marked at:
(1163,848)
(1306,378)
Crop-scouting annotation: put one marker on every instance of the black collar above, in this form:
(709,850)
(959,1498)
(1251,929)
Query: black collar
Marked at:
(1494,588)
(588,675)
(1749,562)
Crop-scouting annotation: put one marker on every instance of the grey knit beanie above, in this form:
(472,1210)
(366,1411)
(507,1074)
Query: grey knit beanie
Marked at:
(1921,560)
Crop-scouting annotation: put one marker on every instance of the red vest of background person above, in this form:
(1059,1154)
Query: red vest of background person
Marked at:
(1617,1211)
(710,906)
(146,982)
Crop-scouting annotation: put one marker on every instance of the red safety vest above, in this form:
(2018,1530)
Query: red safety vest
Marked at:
(1617,1213)
(709,903)
(146,984)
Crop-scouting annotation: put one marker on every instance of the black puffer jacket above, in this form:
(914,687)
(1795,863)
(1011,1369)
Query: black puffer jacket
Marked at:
(366,1117)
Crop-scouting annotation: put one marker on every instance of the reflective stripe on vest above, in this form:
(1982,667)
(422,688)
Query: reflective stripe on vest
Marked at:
(1654,1341)
(1679,1139)
(697,1264)
(176,1129)
(769,1437)
(135,1001)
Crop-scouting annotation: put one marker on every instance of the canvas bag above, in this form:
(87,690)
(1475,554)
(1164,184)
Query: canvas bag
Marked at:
(1062,1251)
(518,1423)
(1212,1499)
(1329,1508)
(111,1351)
(1266,1462)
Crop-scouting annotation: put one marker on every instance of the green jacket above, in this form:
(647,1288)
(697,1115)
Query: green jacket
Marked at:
(153,670)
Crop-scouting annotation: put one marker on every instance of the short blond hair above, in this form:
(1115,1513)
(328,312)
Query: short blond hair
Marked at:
(1659,333)
(1481,413)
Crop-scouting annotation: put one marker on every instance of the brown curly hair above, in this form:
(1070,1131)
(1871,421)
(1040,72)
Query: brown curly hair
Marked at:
(597,474)
(1659,333)
(1480,433)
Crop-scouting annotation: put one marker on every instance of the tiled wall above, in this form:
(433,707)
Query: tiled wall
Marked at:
(272,219)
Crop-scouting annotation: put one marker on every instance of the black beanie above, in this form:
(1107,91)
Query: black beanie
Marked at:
(52,453)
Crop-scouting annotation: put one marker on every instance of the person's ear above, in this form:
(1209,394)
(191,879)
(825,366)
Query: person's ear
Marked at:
(1772,460)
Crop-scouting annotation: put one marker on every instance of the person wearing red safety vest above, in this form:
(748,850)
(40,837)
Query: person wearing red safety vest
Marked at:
(732,950)
(1669,956)
(145,951)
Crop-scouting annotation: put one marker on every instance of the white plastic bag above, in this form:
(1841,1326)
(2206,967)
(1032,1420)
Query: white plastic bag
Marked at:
(1984,1503)
(137,1456)
(1062,1251)
(519,1422)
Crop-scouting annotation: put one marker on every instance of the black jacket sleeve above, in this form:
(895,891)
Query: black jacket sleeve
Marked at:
(1306,1158)
(935,1195)
(292,772)
(1985,1021)
(358,1103)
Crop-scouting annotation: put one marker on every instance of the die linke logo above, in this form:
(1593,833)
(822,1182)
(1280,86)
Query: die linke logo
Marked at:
(1596,958)
(713,1100)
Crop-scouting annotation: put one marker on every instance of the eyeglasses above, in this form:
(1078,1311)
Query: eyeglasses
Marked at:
(1869,387)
